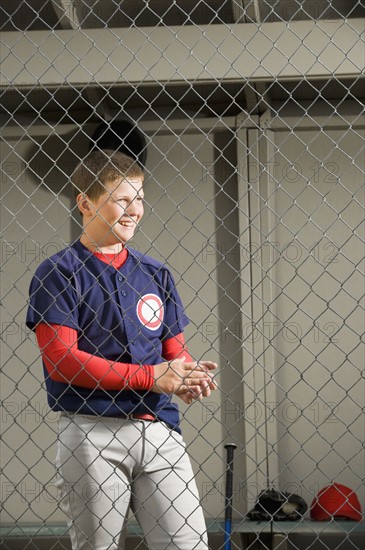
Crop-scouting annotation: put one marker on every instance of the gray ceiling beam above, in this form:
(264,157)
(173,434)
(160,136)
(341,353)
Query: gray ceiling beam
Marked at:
(70,17)
(255,93)
(238,11)
(171,55)
(67,12)
(246,11)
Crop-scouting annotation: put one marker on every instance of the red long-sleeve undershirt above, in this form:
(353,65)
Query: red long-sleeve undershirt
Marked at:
(66,363)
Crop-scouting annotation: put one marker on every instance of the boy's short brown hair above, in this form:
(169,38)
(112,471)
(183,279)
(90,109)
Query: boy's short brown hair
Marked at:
(101,167)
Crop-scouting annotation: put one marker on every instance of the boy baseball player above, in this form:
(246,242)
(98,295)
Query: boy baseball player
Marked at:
(109,323)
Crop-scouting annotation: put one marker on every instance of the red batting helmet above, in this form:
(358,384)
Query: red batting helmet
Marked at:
(336,500)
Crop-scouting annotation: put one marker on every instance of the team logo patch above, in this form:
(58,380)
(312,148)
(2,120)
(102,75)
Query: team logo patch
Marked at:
(150,311)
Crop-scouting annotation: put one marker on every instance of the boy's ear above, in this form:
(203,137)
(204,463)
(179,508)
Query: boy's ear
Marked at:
(83,204)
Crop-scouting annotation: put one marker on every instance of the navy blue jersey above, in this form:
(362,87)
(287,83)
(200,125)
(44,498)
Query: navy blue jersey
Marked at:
(120,314)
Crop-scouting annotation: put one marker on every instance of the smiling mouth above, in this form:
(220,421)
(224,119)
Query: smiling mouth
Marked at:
(127,223)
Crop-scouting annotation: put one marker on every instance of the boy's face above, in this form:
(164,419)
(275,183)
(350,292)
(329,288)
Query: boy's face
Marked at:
(114,216)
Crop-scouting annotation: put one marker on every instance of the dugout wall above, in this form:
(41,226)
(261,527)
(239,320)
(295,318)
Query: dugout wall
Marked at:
(253,116)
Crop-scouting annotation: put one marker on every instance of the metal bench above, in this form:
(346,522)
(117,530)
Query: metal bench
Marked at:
(275,535)
(45,536)
(253,534)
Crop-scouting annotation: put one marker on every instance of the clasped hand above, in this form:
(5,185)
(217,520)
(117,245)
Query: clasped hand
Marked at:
(188,380)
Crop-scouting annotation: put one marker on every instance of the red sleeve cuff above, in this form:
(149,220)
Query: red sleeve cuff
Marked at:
(175,347)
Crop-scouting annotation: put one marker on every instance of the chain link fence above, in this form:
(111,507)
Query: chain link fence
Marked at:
(252,114)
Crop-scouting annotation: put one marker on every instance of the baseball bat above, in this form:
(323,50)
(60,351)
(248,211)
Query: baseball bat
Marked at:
(228,499)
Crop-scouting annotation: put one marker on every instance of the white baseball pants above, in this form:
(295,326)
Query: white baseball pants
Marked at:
(107,465)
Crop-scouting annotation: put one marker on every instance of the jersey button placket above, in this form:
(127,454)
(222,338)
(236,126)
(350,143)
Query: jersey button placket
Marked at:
(120,284)
(128,324)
